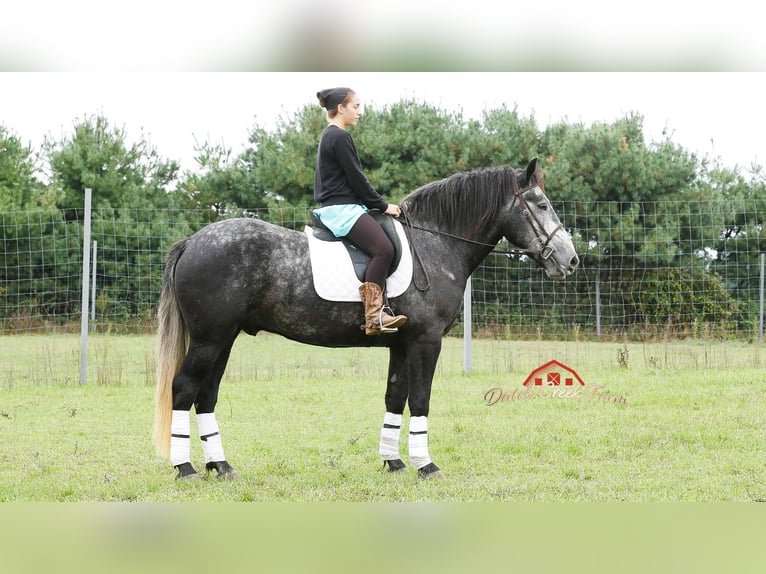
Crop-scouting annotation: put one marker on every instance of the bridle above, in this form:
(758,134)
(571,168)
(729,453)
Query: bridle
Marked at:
(545,249)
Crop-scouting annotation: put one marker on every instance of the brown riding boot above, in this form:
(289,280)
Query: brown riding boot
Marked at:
(376,319)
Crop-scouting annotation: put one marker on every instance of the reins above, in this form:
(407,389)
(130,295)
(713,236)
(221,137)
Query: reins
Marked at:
(415,254)
(507,251)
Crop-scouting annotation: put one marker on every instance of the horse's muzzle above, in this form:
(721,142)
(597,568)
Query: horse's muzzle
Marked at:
(554,269)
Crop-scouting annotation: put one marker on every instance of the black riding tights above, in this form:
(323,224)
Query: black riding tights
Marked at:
(369,236)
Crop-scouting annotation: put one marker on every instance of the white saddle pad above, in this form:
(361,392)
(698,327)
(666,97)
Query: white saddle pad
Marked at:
(333,271)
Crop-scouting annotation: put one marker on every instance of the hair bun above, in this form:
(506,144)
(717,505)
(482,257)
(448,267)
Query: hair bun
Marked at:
(332,97)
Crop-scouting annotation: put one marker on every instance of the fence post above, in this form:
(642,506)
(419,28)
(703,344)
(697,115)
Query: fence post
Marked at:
(85,290)
(467,319)
(93,282)
(760,296)
(598,303)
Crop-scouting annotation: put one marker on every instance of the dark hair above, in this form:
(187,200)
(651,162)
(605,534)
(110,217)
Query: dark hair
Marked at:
(331,98)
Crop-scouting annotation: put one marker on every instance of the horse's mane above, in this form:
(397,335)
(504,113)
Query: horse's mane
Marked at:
(464,202)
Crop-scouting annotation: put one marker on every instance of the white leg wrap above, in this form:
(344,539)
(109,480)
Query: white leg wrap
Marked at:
(212,447)
(389,437)
(180,444)
(418,444)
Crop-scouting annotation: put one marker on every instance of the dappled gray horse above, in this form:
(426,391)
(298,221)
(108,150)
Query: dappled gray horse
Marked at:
(248,275)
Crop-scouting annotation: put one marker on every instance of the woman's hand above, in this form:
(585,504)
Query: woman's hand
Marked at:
(393,210)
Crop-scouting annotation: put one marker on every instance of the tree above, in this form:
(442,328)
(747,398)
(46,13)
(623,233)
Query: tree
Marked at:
(409,144)
(622,181)
(221,181)
(121,175)
(505,137)
(99,157)
(734,253)
(401,148)
(19,186)
(281,165)
(636,208)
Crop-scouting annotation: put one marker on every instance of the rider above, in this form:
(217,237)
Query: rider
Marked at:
(345,196)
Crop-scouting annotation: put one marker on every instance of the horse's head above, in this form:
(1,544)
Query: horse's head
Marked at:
(532,225)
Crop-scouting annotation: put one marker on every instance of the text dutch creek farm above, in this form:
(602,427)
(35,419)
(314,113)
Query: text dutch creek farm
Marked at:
(595,393)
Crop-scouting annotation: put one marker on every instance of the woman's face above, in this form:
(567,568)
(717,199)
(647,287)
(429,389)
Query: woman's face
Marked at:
(350,112)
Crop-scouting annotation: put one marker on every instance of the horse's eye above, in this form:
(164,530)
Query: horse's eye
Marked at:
(543,205)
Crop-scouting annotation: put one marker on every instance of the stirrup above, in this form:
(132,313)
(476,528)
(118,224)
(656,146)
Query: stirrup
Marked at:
(382,328)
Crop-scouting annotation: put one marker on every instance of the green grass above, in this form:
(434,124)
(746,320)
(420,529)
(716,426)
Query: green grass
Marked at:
(301,423)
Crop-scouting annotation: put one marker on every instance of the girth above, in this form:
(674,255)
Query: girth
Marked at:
(360,258)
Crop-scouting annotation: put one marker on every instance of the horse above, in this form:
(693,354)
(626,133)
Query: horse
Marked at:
(247,275)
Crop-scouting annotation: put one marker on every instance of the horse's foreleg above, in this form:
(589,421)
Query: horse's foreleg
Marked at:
(389,442)
(396,399)
(418,449)
(419,367)
(411,370)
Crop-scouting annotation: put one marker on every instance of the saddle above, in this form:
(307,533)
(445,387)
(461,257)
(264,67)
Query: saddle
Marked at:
(359,258)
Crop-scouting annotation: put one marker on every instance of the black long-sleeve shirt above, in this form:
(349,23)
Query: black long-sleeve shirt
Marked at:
(339,178)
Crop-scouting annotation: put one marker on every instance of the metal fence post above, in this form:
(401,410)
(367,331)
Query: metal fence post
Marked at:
(467,319)
(93,282)
(760,296)
(85,290)
(598,303)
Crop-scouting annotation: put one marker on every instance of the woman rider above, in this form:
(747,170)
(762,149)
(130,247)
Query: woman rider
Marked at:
(345,196)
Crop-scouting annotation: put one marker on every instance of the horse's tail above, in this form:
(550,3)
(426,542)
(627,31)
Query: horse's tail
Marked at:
(172,340)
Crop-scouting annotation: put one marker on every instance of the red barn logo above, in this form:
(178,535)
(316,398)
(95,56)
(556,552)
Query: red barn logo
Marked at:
(553,374)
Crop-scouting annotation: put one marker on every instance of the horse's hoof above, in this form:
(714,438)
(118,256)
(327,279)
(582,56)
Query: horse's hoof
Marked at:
(223,469)
(186,472)
(395,465)
(431,472)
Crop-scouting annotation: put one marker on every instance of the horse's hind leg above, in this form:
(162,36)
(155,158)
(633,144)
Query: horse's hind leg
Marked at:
(198,368)
(209,434)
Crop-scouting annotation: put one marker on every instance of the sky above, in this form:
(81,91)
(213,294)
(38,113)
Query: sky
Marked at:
(719,115)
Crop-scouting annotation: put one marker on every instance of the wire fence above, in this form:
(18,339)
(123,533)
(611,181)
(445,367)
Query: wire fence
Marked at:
(680,269)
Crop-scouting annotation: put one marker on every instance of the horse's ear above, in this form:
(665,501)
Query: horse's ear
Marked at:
(531,168)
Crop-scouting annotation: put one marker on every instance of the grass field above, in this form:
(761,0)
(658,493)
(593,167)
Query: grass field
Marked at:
(301,423)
